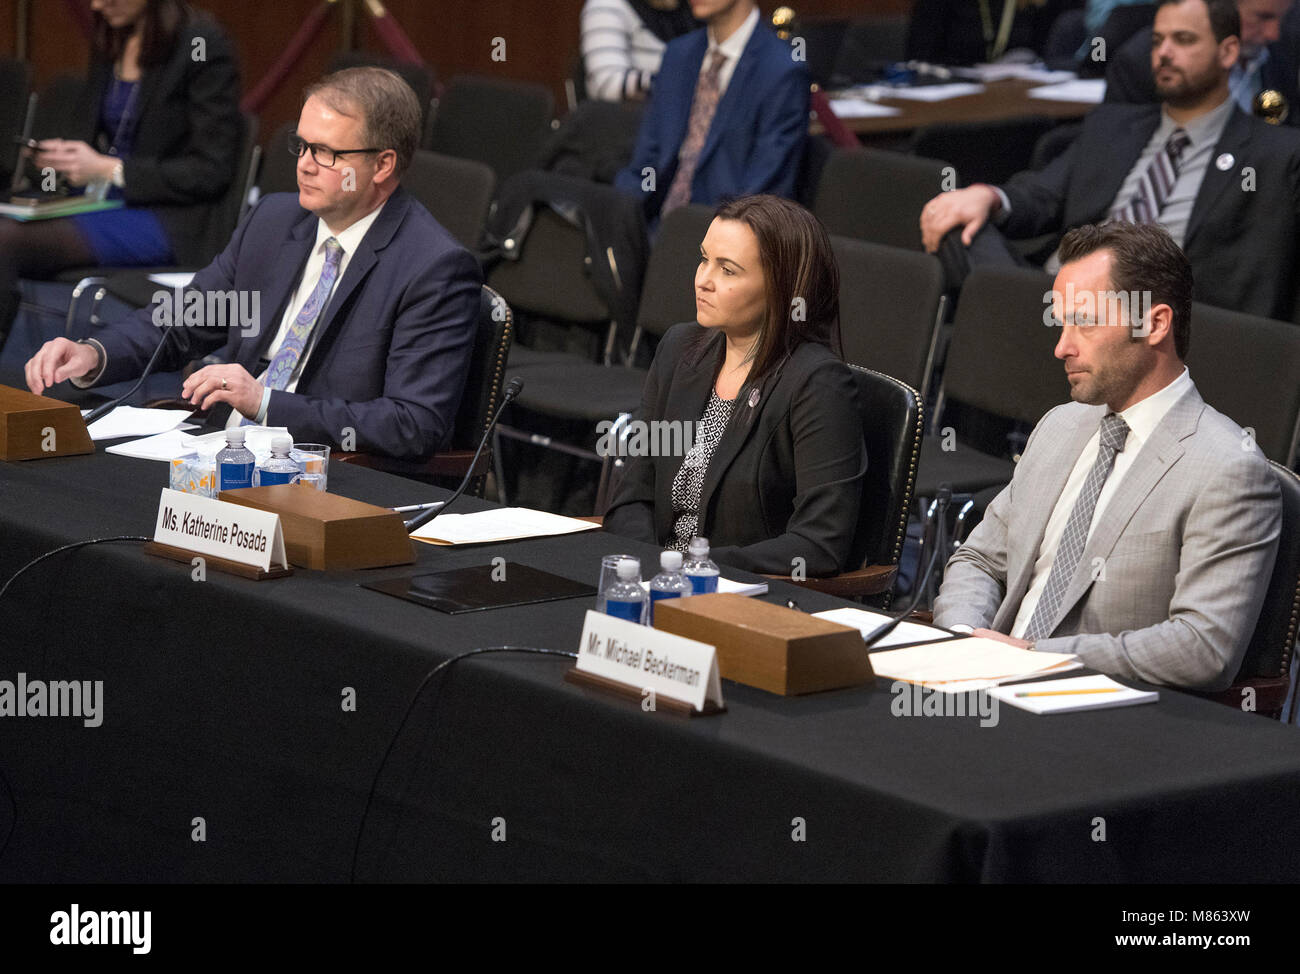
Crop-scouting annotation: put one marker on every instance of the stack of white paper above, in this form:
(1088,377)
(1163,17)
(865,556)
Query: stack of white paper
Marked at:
(135,421)
(1090,91)
(904,634)
(858,108)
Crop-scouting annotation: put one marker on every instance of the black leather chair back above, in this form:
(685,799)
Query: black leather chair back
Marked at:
(487,369)
(1246,368)
(279,172)
(456,191)
(1001,355)
(504,124)
(983,152)
(898,335)
(1273,643)
(892,420)
(668,290)
(875,195)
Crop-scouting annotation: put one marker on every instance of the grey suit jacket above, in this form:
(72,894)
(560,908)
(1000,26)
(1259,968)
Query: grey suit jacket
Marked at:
(1171,582)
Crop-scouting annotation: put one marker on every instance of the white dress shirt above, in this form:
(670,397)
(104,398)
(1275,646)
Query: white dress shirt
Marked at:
(732,48)
(349,240)
(1142,419)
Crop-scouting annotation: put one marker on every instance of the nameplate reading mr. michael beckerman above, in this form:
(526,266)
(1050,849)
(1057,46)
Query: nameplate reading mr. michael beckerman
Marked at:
(646,659)
(220,530)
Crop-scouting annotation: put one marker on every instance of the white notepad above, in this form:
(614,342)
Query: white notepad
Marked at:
(865,621)
(1067,703)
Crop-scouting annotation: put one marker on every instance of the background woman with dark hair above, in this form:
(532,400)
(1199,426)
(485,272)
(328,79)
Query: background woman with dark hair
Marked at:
(623,42)
(777,459)
(159,124)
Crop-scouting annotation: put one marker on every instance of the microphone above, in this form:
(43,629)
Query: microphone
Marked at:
(515,387)
(99,411)
(940,506)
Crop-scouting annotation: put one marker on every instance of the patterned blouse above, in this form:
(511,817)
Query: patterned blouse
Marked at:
(689,482)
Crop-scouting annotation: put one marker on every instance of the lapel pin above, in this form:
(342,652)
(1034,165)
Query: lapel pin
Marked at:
(753,398)
(1224,162)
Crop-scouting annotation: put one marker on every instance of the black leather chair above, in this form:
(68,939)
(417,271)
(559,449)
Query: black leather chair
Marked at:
(456,191)
(478,404)
(893,424)
(983,152)
(891,307)
(501,123)
(1000,362)
(1265,675)
(1246,368)
(873,195)
(15,84)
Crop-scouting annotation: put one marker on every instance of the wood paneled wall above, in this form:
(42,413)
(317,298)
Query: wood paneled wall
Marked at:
(455,36)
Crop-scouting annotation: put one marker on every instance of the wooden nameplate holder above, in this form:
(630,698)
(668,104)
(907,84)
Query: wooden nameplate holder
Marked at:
(769,646)
(327,532)
(632,695)
(33,427)
(219,564)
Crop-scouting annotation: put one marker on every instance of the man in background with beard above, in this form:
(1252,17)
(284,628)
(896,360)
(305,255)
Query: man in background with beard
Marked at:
(1225,185)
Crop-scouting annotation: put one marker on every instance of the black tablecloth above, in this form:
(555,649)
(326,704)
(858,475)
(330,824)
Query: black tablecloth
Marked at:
(223,702)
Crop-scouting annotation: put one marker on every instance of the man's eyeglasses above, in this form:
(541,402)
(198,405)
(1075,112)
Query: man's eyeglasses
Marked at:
(322,154)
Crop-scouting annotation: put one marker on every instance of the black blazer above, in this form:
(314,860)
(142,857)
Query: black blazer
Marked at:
(786,479)
(1129,81)
(1242,243)
(186,148)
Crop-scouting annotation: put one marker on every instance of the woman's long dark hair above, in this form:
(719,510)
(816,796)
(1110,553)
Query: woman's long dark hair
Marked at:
(802,276)
(162,20)
(666,19)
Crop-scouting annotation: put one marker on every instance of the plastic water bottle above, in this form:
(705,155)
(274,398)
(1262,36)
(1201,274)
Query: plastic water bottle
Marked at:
(700,571)
(670,583)
(235,463)
(626,599)
(279,468)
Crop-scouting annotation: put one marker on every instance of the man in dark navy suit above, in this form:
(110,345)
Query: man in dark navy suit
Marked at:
(345,312)
(728,114)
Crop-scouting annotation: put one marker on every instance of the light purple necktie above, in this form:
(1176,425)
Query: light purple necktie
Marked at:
(286,359)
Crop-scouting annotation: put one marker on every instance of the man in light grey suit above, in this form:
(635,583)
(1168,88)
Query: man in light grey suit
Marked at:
(1141,525)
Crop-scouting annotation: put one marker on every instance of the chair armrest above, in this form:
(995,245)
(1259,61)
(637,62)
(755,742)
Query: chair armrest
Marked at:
(1270,694)
(869,580)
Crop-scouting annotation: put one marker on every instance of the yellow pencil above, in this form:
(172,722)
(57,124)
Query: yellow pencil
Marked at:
(1067,693)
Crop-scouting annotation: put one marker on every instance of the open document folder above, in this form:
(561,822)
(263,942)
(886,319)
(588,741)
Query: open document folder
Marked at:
(499,524)
(963,665)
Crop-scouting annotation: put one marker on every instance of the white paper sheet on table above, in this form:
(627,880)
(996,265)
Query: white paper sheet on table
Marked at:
(957,89)
(860,108)
(903,634)
(165,446)
(989,73)
(968,661)
(501,524)
(1090,91)
(173,280)
(135,421)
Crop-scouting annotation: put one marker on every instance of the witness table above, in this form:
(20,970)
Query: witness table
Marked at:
(227,752)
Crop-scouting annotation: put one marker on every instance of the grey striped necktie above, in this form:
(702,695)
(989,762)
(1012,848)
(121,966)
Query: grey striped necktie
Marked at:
(1114,431)
(1156,183)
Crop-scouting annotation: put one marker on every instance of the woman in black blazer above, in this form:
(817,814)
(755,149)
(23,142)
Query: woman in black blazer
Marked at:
(774,473)
(159,124)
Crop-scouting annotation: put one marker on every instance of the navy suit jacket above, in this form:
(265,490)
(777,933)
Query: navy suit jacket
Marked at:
(758,133)
(391,348)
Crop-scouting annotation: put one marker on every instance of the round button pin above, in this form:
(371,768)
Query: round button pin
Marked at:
(1224,162)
